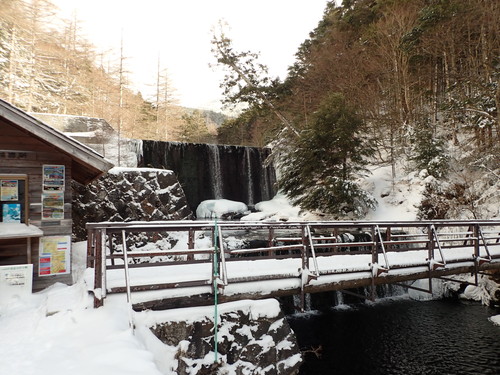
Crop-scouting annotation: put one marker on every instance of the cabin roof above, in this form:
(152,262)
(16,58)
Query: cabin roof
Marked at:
(87,164)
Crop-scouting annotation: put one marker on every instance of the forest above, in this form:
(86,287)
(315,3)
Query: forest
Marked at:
(47,66)
(410,83)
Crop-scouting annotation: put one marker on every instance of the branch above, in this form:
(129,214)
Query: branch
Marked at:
(230,62)
(485,114)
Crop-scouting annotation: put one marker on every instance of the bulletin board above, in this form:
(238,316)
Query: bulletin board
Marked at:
(13,198)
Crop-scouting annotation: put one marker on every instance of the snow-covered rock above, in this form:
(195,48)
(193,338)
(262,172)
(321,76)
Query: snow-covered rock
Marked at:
(216,208)
(253,338)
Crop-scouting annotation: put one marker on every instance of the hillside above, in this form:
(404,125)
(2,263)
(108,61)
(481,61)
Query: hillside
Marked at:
(46,66)
(419,83)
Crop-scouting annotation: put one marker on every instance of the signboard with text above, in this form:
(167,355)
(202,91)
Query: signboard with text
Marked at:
(15,280)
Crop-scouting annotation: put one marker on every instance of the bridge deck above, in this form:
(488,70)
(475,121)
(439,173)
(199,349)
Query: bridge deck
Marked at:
(320,262)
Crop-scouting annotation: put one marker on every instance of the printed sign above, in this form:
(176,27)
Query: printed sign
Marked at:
(54,255)
(53,206)
(9,190)
(15,280)
(53,178)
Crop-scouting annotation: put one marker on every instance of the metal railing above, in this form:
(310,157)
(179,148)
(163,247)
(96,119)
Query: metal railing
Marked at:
(114,246)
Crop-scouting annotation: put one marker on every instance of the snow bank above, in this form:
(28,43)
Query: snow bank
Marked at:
(55,332)
(495,319)
(215,208)
(397,199)
(277,209)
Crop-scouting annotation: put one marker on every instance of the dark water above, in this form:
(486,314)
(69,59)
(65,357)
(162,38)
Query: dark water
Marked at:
(401,337)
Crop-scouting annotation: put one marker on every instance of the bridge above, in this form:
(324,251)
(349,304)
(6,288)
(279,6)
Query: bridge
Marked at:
(172,264)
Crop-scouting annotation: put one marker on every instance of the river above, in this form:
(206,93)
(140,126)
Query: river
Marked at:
(400,336)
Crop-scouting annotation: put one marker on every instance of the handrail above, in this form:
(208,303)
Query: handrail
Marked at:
(288,241)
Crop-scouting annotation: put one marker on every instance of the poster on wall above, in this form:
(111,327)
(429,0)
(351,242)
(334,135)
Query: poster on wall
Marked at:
(53,206)
(9,190)
(11,213)
(54,255)
(53,178)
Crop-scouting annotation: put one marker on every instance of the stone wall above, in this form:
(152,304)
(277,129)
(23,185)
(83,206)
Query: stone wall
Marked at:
(127,195)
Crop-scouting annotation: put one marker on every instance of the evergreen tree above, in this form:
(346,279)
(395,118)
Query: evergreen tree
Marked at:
(320,170)
(429,151)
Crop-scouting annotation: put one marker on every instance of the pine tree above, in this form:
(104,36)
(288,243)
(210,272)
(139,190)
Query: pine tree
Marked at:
(320,170)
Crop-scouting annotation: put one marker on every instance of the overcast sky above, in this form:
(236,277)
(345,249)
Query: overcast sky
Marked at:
(179,31)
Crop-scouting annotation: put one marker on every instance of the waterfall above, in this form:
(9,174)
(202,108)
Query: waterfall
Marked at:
(215,171)
(208,171)
(248,162)
(268,178)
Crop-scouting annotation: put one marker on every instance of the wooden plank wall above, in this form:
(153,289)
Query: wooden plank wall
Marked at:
(38,154)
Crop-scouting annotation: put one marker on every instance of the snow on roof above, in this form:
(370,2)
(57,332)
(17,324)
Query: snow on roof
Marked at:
(89,164)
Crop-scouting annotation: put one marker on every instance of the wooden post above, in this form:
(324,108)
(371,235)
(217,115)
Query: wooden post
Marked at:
(90,248)
(430,243)
(388,238)
(98,302)
(374,261)
(305,262)
(270,242)
(111,249)
(430,253)
(28,250)
(476,252)
(190,243)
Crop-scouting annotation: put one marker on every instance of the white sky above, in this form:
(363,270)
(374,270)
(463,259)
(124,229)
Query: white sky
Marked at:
(180,32)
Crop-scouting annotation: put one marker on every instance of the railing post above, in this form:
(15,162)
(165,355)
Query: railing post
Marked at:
(430,254)
(270,242)
(90,248)
(476,252)
(111,249)
(430,242)
(305,265)
(374,261)
(388,238)
(190,243)
(98,302)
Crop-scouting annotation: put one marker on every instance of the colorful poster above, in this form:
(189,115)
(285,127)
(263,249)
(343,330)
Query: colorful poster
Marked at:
(11,212)
(53,178)
(54,255)
(53,206)
(9,190)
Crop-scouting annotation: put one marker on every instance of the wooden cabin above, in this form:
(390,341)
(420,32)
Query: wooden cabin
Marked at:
(37,164)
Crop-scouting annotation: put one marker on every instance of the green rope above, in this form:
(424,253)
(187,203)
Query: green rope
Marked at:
(216,275)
